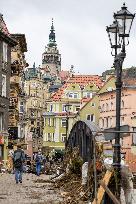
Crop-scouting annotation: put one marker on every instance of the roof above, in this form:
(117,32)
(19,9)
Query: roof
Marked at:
(4,32)
(85,79)
(3,26)
(98,91)
(81,80)
(31,73)
(64,75)
(22,41)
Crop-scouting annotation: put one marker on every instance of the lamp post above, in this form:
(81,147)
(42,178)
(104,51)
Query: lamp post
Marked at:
(67,109)
(118,32)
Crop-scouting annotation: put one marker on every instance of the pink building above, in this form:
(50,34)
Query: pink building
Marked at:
(128,117)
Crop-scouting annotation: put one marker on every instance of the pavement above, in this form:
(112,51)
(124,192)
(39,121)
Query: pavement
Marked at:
(33,190)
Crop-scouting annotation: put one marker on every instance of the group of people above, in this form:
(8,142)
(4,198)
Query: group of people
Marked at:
(19,159)
(39,163)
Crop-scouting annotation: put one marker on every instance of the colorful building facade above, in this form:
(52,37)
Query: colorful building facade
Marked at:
(17,95)
(36,93)
(6,44)
(128,114)
(63,107)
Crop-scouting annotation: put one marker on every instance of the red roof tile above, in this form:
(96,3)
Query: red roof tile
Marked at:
(82,80)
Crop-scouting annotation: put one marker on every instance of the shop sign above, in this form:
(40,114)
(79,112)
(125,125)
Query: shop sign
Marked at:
(1,140)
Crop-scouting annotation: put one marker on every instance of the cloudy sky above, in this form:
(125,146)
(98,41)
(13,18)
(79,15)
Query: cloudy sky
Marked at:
(79,26)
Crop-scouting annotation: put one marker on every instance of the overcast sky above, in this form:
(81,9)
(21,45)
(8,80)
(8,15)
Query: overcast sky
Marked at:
(79,26)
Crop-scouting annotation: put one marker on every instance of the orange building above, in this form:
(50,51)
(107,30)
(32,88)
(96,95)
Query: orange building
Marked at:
(128,116)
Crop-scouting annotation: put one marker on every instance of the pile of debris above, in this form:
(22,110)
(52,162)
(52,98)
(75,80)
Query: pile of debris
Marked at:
(69,182)
(77,182)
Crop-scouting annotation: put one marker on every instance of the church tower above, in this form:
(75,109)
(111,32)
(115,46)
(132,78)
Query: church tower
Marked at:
(51,59)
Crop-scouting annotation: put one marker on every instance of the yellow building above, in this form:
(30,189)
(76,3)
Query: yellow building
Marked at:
(63,107)
(91,110)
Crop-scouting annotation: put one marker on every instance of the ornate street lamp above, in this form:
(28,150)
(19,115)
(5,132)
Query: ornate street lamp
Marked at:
(120,29)
(125,19)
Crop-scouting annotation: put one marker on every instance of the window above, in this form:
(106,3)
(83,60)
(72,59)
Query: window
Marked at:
(110,122)
(5,52)
(63,108)
(3,85)
(93,104)
(49,121)
(44,121)
(88,117)
(1,121)
(32,122)
(111,106)
(75,95)
(49,137)
(134,137)
(107,122)
(70,95)
(102,123)
(107,107)
(32,113)
(21,107)
(122,120)
(91,117)
(89,95)
(63,137)
(63,122)
(40,104)
(77,108)
(53,122)
(53,137)
(33,84)
(122,104)
(103,108)
(51,107)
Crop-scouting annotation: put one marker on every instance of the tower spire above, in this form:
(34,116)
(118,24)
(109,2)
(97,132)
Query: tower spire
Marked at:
(52,41)
(52,26)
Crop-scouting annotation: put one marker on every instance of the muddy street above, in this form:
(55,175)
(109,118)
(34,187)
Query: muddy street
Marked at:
(34,189)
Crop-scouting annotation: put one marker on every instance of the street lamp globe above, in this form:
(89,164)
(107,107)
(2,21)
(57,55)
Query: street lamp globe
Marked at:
(113,34)
(125,19)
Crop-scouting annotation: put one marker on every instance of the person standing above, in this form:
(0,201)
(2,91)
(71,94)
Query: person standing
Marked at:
(38,160)
(18,160)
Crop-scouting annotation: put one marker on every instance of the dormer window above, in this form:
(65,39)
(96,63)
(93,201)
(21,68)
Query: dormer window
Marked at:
(75,95)
(70,95)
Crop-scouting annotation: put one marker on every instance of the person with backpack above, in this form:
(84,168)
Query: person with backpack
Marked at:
(18,160)
(38,159)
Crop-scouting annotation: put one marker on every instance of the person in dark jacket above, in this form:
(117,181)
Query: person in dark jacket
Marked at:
(18,159)
(39,160)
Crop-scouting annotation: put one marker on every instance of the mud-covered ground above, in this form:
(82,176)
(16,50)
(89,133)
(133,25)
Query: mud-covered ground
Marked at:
(38,190)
